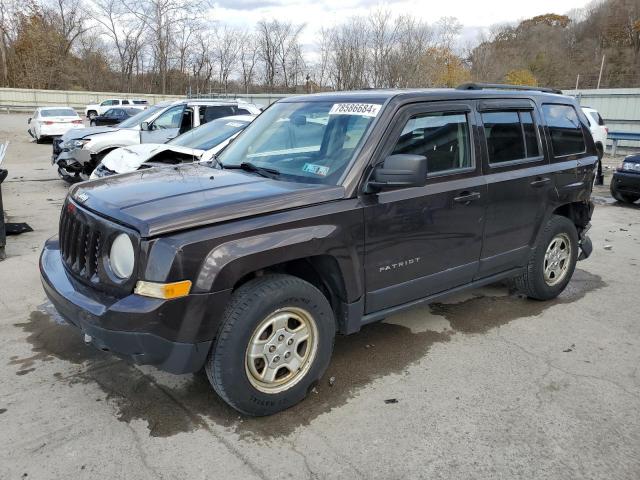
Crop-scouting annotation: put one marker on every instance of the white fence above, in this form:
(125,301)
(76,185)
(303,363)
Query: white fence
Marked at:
(27,99)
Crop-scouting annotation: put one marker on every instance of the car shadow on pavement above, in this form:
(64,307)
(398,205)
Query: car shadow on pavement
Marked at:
(377,350)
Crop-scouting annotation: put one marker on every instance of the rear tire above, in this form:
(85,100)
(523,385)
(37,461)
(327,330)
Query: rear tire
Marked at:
(91,115)
(39,140)
(552,262)
(261,362)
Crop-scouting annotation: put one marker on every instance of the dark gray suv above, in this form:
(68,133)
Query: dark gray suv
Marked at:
(327,213)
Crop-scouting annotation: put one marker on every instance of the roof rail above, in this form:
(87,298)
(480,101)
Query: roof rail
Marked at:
(501,86)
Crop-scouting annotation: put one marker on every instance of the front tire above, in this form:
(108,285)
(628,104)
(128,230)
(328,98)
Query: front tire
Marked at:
(274,344)
(552,262)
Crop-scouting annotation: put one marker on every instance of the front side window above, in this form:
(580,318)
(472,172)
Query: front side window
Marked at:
(567,137)
(310,142)
(141,116)
(441,137)
(511,135)
(172,118)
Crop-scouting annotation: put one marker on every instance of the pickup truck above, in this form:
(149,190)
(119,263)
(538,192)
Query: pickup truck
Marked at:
(95,109)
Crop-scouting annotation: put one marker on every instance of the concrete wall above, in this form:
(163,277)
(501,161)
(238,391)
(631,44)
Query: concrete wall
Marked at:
(27,99)
(620,108)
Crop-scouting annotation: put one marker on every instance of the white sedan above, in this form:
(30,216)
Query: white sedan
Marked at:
(198,145)
(50,122)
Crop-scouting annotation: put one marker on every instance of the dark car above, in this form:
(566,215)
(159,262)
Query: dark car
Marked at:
(113,116)
(625,184)
(327,213)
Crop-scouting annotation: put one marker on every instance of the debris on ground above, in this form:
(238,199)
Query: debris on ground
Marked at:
(332,381)
(391,400)
(608,247)
(17,228)
(570,349)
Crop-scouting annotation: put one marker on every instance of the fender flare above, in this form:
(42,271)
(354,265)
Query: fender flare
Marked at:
(228,262)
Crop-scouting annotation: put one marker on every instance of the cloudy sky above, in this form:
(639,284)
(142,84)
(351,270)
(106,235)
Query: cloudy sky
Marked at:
(316,14)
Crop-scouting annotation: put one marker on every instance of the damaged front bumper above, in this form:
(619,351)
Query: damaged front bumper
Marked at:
(136,327)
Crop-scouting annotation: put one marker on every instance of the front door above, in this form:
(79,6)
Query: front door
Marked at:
(519,182)
(424,240)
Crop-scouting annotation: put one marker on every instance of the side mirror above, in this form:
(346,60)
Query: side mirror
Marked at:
(144,126)
(403,170)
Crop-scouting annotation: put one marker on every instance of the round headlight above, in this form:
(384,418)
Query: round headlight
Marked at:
(122,257)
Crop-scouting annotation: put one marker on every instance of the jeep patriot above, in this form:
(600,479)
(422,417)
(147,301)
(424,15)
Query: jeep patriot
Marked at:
(329,212)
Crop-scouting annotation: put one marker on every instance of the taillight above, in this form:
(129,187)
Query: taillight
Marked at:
(77,122)
(48,123)
(606,129)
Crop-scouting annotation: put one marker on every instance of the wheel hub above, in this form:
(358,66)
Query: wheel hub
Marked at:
(281,350)
(557,259)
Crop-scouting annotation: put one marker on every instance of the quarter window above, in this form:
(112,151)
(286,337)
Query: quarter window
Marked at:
(511,135)
(567,137)
(441,137)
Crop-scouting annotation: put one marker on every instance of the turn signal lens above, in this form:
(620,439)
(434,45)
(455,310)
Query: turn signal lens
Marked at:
(163,290)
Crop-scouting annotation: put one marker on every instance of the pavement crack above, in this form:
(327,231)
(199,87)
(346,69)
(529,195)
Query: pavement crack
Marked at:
(551,365)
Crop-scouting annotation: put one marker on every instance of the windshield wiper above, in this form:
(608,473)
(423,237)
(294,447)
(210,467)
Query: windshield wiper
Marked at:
(267,172)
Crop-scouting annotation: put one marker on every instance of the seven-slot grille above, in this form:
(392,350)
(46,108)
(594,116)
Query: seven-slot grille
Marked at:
(80,244)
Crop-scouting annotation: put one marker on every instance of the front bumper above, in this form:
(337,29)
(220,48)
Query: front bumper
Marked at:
(625,182)
(173,335)
(68,157)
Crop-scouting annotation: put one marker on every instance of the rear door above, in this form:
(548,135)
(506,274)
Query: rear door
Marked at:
(424,240)
(518,179)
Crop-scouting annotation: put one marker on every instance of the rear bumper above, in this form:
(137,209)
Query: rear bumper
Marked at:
(146,330)
(624,182)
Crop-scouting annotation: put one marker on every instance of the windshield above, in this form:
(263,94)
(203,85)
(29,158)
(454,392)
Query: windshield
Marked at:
(310,142)
(59,112)
(143,116)
(211,134)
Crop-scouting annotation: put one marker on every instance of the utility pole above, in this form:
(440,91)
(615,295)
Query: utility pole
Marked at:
(601,68)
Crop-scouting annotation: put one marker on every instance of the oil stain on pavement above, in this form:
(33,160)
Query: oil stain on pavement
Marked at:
(377,350)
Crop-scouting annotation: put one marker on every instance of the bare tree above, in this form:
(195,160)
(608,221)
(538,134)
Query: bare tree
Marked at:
(248,59)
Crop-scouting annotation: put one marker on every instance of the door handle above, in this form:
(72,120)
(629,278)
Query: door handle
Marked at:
(467,197)
(540,182)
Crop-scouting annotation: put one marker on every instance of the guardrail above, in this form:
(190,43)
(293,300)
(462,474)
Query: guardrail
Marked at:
(616,137)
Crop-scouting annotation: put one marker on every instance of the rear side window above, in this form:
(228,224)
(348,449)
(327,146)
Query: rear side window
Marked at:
(511,135)
(441,137)
(567,137)
(208,113)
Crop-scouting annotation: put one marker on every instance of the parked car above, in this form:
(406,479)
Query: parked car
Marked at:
(200,144)
(77,153)
(599,131)
(95,109)
(114,116)
(625,184)
(48,122)
(327,213)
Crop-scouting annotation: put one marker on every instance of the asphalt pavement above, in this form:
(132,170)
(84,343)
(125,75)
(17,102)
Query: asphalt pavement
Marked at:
(487,385)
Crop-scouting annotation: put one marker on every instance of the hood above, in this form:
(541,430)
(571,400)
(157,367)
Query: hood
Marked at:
(76,133)
(128,159)
(161,200)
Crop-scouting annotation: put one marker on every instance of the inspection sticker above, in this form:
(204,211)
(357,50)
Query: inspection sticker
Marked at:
(362,109)
(315,169)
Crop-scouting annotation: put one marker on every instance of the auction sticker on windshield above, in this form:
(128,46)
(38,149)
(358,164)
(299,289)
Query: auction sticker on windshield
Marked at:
(315,169)
(363,109)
